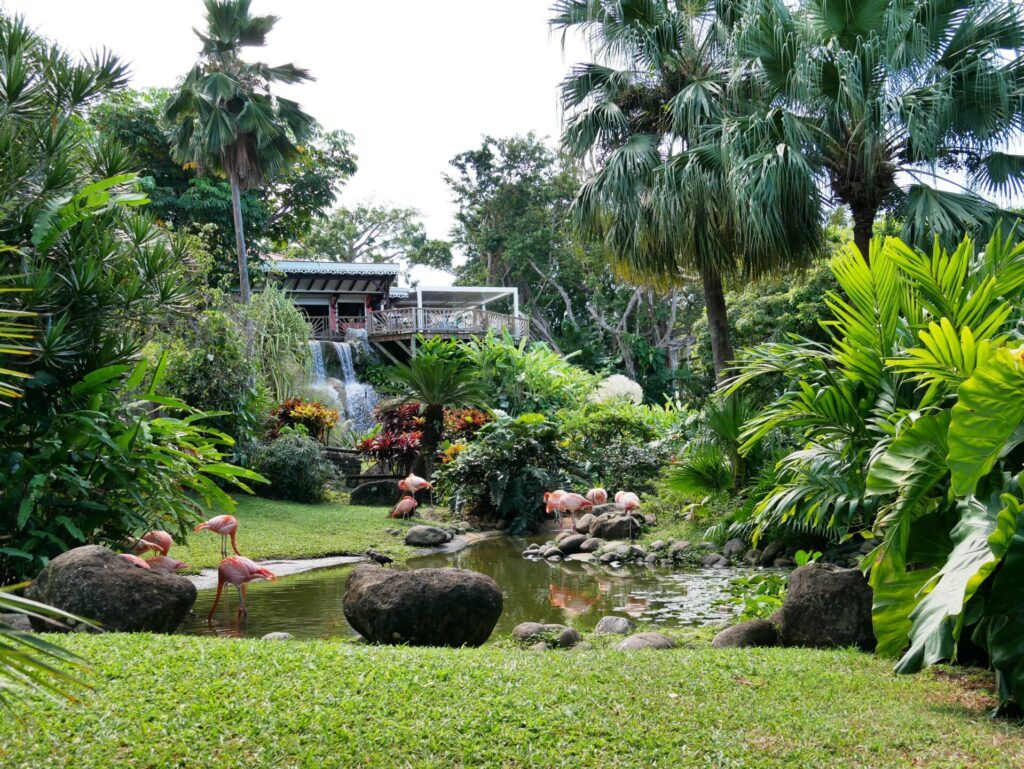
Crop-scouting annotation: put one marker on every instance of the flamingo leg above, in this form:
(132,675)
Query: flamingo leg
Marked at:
(241,600)
(223,546)
(209,617)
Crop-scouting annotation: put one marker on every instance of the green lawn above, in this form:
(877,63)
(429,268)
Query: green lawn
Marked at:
(190,702)
(275,529)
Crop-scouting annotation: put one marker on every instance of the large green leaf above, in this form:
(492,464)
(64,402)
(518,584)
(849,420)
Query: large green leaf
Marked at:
(980,541)
(894,602)
(989,408)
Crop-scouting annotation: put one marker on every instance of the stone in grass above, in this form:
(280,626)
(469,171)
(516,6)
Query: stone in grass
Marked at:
(756,632)
(568,638)
(714,561)
(540,646)
(612,625)
(424,607)
(376,494)
(827,605)
(426,536)
(677,550)
(649,640)
(657,546)
(734,548)
(98,584)
(278,636)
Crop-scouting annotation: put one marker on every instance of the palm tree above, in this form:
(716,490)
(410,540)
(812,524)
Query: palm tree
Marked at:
(438,376)
(897,94)
(689,176)
(226,118)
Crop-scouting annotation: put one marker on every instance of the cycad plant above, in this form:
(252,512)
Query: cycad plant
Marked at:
(909,103)
(691,172)
(226,118)
(438,376)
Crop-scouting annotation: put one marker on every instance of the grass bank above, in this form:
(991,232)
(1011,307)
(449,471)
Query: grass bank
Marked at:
(176,701)
(270,528)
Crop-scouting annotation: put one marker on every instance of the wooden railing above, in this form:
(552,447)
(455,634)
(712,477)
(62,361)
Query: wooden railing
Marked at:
(320,330)
(435,321)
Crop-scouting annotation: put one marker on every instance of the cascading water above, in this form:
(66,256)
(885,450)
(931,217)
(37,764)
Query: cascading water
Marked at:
(360,397)
(319,372)
(318,384)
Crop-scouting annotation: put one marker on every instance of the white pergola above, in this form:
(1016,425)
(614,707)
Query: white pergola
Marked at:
(454,297)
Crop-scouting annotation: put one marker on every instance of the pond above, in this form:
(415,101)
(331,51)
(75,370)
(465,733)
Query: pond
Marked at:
(309,605)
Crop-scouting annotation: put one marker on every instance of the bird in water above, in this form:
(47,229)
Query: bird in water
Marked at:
(380,558)
(238,571)
(160,541)
(226,526)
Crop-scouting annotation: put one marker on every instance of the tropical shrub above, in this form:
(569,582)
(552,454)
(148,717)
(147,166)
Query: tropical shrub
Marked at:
(503,473)
(295,467)
(313,416)
(463,424)
(616,387)
(527,378)
(908,418)
(398,438)
(279,341)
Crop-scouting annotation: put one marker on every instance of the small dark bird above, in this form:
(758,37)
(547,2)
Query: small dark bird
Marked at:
(380,558)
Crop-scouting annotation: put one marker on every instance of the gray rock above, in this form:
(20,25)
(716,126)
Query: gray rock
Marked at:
(547,552)
(572,544)
(734,548)
(18,622)
(652,558)
(609,508)
(424,607)
(676,549)
(528,632)
(426,536)
(585,522)
(607,558)
(581,558)
(98,584)
(612,625)
(554,558)
(783,563)
(568,638)
(827,606)
(772,550)
(714,561)
(752,556)
(592,545)
(582,646)
(636,553)
(756,632)
(658,545)
(540,646)
(649,640)
(376,494)
(867,546)
(533,546)
(650,519)
(616,527)
(278,636)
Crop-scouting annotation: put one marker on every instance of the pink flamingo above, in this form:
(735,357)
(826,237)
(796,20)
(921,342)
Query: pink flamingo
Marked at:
(238,571)
(572,504)
(226,526)
(627,499)
(134,560)
(598,496)
(551,504)
(159,541)
(414,483)
(404,508)
(162,564)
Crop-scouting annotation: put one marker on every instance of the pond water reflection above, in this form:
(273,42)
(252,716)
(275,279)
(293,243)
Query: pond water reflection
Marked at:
(309,605)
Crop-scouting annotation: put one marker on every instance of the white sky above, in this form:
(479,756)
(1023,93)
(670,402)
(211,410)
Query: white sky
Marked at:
(416,82)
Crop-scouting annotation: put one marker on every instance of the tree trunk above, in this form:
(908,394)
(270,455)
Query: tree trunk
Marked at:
(433,424)
(243,258)
(718,323)
(863,226)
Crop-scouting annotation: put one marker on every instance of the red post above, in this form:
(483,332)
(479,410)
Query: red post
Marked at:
(332,314)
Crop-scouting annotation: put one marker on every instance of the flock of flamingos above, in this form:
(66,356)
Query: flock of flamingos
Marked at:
(239,571)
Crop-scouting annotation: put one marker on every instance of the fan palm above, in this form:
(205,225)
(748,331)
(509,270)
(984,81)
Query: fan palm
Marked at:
(226,118)
(688,177)
(895,92)
(438,376)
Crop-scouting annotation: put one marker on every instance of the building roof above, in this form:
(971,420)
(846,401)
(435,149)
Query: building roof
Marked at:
(306,276)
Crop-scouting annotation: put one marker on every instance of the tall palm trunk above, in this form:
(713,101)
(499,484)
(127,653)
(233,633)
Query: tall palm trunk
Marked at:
(863,226)
(433,425)
(243,258)
(718,322)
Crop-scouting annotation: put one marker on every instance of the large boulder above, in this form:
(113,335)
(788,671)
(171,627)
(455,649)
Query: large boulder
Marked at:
(650,640)
(571,544)
(714,561)
(426,536)
(376,494)
(826,605)
(585,522)
(612,625)
(756,632)
(426,607)
(734,548)
(615,527)
(97,584)
(772,550)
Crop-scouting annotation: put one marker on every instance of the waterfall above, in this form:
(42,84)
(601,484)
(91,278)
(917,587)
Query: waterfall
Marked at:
(360,397)
(319,373)
(344,352)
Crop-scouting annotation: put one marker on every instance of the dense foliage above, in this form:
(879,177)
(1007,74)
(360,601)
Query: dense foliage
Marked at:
(295,467)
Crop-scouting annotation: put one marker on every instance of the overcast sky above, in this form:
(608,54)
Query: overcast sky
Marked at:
(415,82)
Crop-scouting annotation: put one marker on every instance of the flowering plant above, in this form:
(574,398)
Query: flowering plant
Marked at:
(314,416)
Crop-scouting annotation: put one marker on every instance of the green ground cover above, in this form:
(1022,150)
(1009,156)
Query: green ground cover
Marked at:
(270,528)
(189,702)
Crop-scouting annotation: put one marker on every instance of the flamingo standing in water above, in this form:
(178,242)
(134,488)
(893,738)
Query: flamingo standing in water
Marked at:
(160,541)
(226,526)
(162,564)
(572,504)
(238,571)
(404,508)
(134,560)
(597,496)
